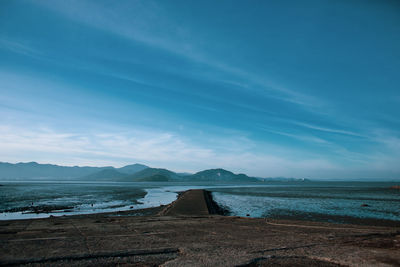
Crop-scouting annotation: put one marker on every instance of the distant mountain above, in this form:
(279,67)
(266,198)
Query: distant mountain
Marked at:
(131,169)
(184,173)
(34,170)
(129,173)
(221,175)
(104,175)
(150,172)
(214,175)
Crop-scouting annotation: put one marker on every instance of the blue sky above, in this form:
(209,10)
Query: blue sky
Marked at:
(268,88)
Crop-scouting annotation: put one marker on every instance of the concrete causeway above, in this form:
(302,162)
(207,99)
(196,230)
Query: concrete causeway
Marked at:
(196,202)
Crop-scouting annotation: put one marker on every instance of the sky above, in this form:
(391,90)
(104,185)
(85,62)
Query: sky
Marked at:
(306,89)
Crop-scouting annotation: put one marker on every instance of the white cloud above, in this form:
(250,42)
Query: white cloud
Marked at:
(19,47)
(305,138)
(329,130)
(144,146)
(169,150)
(158,149)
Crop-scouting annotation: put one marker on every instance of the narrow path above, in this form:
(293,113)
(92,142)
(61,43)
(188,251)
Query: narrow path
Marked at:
(189,203)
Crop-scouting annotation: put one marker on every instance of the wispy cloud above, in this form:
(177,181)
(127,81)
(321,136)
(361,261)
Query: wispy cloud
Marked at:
(150,147)
(131,145)
(306,138)
(19,47)
(151,26)
(389,138)
(328,130)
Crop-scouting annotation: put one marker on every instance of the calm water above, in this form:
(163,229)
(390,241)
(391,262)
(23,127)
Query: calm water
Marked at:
(325,201)
(77,198)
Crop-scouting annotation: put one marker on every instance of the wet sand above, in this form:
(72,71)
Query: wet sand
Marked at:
(189,232)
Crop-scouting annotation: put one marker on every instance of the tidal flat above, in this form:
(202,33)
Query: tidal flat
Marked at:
(336,202)
(190,232)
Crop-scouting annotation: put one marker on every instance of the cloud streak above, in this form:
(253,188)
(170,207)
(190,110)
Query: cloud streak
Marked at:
(328,130)
(151,26)
(19,47)
(150,147)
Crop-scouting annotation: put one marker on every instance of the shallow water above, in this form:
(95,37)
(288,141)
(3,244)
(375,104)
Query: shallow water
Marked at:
(359,200)
(83,197)
(272,200)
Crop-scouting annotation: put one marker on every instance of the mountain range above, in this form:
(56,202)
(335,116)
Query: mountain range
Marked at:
(129,173)
(34,170)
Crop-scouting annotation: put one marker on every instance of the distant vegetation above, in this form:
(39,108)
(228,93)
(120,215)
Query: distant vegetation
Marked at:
(148,173)
(221,175)
(129,173)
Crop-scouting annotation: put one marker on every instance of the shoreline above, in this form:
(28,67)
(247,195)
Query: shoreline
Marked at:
(217,209)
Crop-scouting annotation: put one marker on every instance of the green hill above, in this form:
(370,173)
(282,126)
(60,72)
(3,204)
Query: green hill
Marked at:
(151,172)
(220,175)
(131,169)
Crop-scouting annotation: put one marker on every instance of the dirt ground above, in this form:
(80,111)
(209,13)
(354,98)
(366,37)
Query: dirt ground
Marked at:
(178,239)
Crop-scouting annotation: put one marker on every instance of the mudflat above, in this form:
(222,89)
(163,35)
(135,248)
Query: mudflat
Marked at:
(188,232)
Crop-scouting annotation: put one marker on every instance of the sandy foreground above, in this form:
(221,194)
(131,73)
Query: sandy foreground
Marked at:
(189,232)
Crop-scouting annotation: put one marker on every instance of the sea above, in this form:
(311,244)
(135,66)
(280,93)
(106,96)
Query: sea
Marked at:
(339,202)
